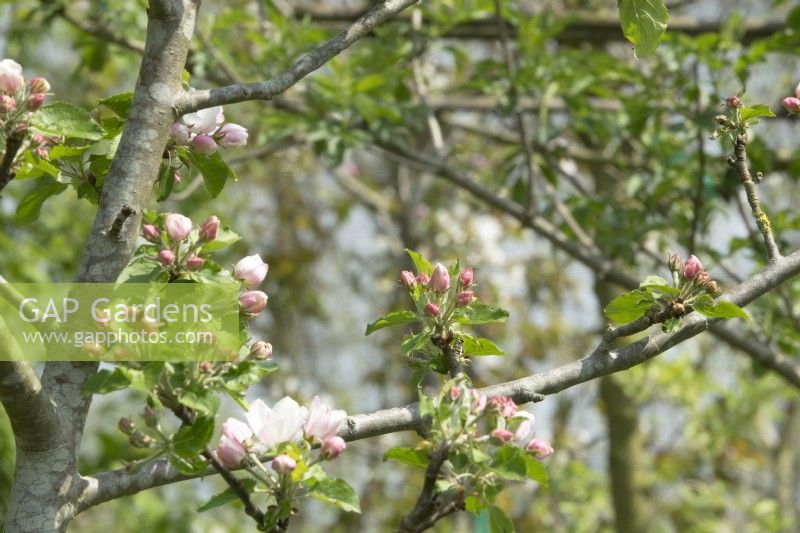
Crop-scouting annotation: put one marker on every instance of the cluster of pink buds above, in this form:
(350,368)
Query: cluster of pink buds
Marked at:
(19,99)
(439,296)
(251,271)
(205,131)
(792,103)
(691,274)
(179,251)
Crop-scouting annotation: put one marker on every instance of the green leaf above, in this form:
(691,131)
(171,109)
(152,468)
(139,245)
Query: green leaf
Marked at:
(338,493)
(653,281)
(412,343)
(106,381)
(480,346)
(480,313)
(755,111)
(61,118)
(509,463)
(189,441)
(225,238)
(166,181)
(202,400)
(721,309)
(30,207)
(227,496)
(119,104)
(535,470)
(407,456)
(644,23)
(394,318)
(141,269)
(499,522)
(422,265)
(214,170)
(629,306)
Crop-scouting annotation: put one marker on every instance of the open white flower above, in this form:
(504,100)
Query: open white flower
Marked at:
(205,120)
(281,423)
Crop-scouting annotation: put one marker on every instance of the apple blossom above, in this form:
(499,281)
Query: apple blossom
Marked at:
(323,422)
(692,267)
(503,434)
(231,136)
(253,302)
(466,277)
(791,104)
(283,464)
(166,257)
(281,423)
(251,270)
(7,104)
(231,448)
(205,120)
(209,229)
(39,85)
(333,447)
(432,310)
(540,448)
(203,144)
(10,76)
(178,226)
(180,134)
(195,263)
(407,279)
(35,101)
(440,279)
(261,350)
(503,406)
(151,233)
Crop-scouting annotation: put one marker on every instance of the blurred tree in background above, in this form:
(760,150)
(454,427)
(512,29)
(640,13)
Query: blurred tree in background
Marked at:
(419,136)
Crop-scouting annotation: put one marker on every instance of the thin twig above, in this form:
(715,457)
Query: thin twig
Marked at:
(701,160)
(739,163)
(13,144)
(427,503)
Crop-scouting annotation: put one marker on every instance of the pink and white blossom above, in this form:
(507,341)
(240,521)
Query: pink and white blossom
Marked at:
(10,76)
(323,422)
(178,226)
(251,270)
(205,120)
(281,423)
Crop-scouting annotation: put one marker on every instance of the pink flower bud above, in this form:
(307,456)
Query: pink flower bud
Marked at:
(7,104)
(10,76)
(333,447)
(35,101)
(791,104)
(231,136)
(195,263)
(503,406)
(166,257)
(466,277)
(203,144)
(283,464)
(151,233)
(675,263)
(206,367)
(21,128)
(455,393)
(797,90)
(539,448)
(180,134)
(734,102)
(423,279)
(39,85)
(261,350)
(209,229)
(703,277)
(692,267)
(251,270)
(440,279)
(464,298)
(503,434)
(177,178)
(253,302)
(432,310)
(38,139)
(178,226)
(232,444)
(478,402)
(407,279)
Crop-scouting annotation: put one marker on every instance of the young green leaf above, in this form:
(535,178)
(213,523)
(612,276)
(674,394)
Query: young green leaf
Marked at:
(225,238)
(189,441)
(407,456)
(722,309)
(30,207)
(629,306)
(227,496)
(509,463)
(480,313)
(644,23)
(106,381)
(394,318)
(422,265)
(214,170)
(61,118)
(338,493)
(479,346)
(412,343)
(499,522)
(756,111)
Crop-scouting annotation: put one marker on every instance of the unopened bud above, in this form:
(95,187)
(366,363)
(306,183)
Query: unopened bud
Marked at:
(203,144)
(675,263)
(195,263)
(539,448)
(253,302)
(734,102)
(502,435)
(126,425)
(206,367)
(466,277)
(180,134)
(440,279)
(407,279)
(151,233)
(464,298)
(209,229)
(677,308)
(692,267)
(36,101)
(39,85)
(140,440)
(423,279)
(791,104)
(7,104)
(712,287)
(261,350)
(166,257)
(333,447)
(283,464)
(432,310)
(150,416)
(724,121)
(177,178)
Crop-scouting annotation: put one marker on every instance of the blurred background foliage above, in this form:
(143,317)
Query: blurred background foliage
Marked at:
(341,174)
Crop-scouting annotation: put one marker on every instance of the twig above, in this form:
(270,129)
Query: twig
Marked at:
(701,160)
(739,163)
(310,62)
(418,518)
(13,144)
(102,33)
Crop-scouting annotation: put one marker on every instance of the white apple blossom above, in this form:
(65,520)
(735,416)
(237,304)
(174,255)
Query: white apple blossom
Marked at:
(281,423)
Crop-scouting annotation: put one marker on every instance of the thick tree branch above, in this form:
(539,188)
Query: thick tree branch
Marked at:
(310,62)
(110,485)
(33,416)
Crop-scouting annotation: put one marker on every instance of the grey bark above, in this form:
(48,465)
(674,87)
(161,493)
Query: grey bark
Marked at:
(47,485)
